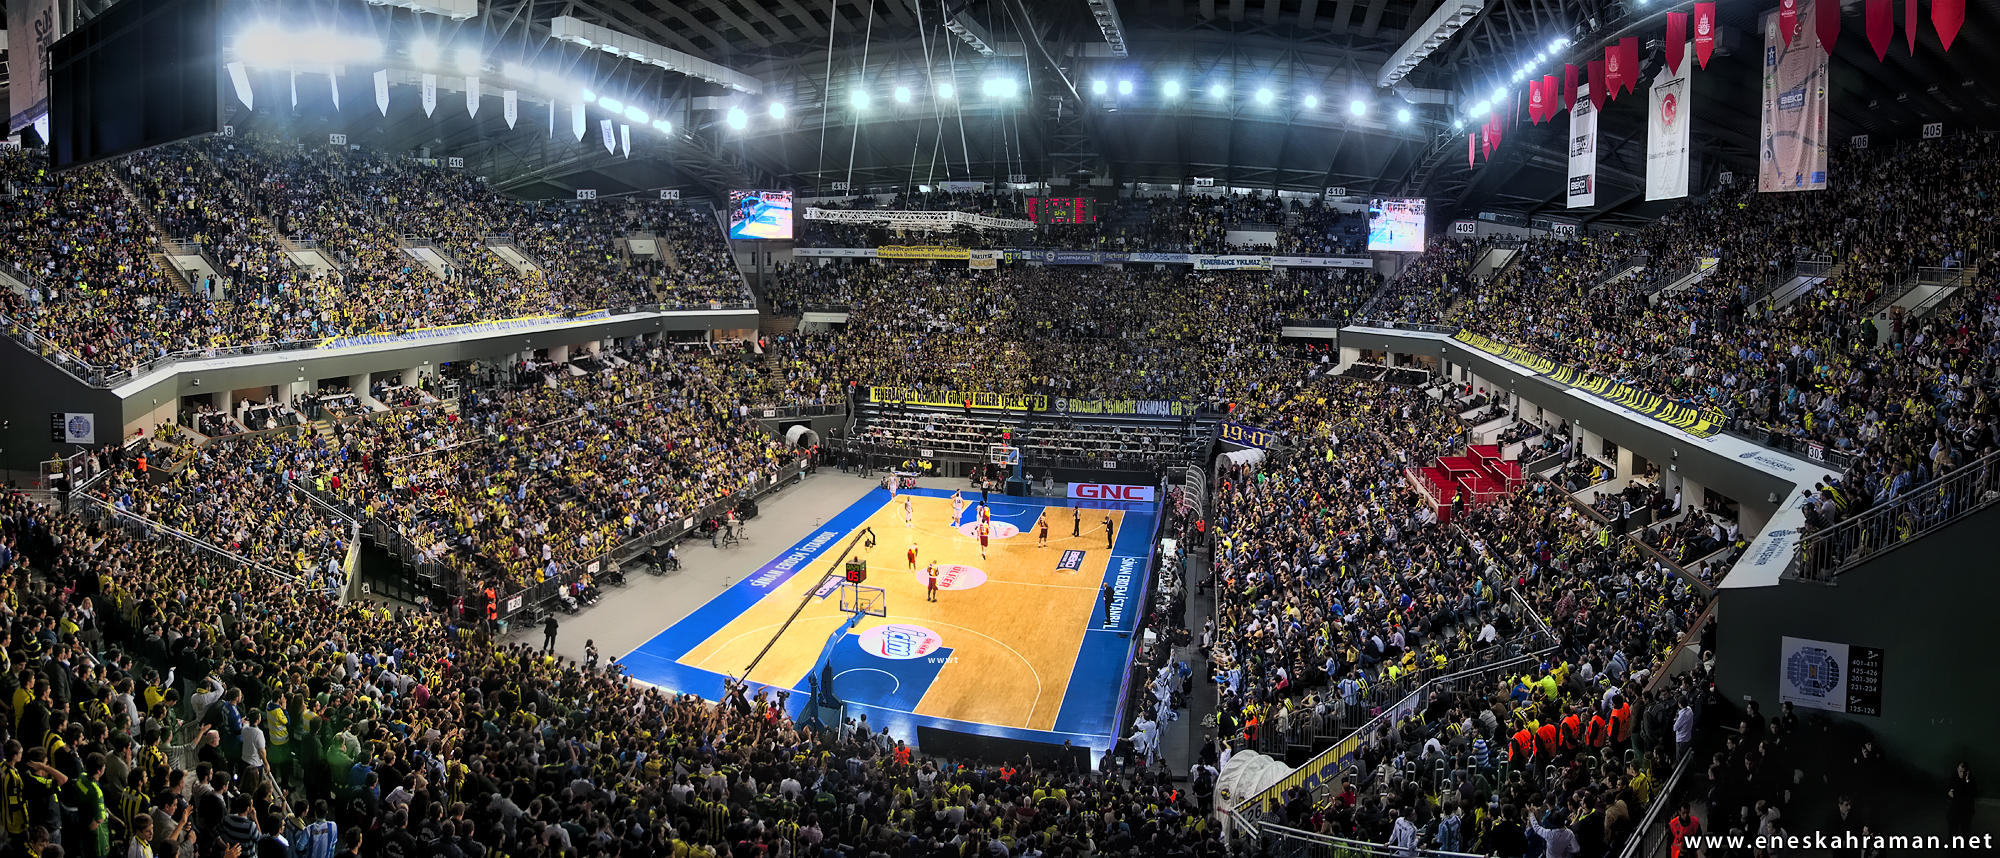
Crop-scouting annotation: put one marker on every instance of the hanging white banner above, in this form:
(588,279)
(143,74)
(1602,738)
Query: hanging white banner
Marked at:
(1670,112)
(625,139)
(430,82)
(333,81)
(32,26)
(576,121)
(610,138)
(382,91)
(295,89)
(472,97)
(552,119)
(510,106)
(1794,114)
(1582,150)
(241,80)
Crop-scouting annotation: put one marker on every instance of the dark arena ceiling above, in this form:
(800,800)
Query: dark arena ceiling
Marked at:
(1272,94)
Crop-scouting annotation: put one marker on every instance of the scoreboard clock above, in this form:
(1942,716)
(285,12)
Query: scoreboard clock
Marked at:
(857,570)
(1062,209)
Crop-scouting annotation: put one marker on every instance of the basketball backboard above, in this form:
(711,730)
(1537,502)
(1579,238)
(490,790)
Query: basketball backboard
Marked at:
(863,599)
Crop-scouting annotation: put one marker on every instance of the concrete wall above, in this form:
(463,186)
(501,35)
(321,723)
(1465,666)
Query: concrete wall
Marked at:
(30,389)
(1926,605)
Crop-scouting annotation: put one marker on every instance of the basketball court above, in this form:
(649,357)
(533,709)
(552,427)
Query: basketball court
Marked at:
(1018,644)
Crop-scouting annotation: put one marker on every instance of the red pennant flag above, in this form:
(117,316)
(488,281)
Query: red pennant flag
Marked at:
(1499,130)
(1704,31)
(1597,85)
(1549,102)
(1514,110)
(1535,102)
(1910,24)
(1628,47)
(1826,22)
(1677,33)
(1614,67)
(1569,85)
(1881,20)
(1947,16)
(1788,19)
(1486,147)
(1471,150)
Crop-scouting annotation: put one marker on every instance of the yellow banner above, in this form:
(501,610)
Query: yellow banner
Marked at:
(922,252)
(1699,422)
(984,260)
(957,399)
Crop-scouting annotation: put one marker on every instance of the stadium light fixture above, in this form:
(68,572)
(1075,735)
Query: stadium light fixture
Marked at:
(587,96)
(1403,116)
(1450,17)
(266,45)
(1312,101)
(858,98)
(1358,107)
(663,126)
(1098,87)
(1456,124)
(611,104)
(946,90)
(1264,96)
(468,60)
(777,110)
(1217,91)
(1172,89)
(457,10)
(1124,87)
(424,53)
(637,116)
(737,119)
(1000,87)
(902,95)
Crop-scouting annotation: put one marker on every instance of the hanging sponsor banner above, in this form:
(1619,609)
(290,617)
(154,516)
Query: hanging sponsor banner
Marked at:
(577,121)
(510,106)
(1583,149)
(983,260)
(430,90)
(1669,112)
(1794,116)
(1136,407)
(333,81)
(1103,491)
(1699,422)
(957,399)
(961,186)
(70,427)
(922,252)
(472,97)
(1704,32)
(610,135)
(1831,676)
(1245,435)
(239,79)
(31,29)
(295,89)
(382,91)
(1232,263)
(625,139)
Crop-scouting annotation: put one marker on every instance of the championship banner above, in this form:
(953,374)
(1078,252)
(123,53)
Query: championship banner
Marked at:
(429,83)
(983,260)
(31,28)
(922,252)
(510,106)
(1669,113)
(1232,263)
(576,120)
(382,91)
(1794,126)
(1583,149)
(1699,422)
(472,97)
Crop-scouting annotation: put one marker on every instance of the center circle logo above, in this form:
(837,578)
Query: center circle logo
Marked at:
(899,641)
(1001,530)
(955,576)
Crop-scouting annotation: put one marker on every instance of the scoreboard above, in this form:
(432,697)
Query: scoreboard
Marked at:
(1062,210)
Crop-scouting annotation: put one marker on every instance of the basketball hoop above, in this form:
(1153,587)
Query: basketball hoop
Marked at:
(1004,454)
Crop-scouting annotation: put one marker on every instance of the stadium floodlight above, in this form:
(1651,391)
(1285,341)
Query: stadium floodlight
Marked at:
(737,119)
(1172,89)
(1106,13)
(858,98)
(946,90)
(1312,101)
(1000,87)
(265,45)
(902,95)
(1098,87)
(1456,124)
(569,29)
(587,96)
(468,60)
(969,32)
(1450,17)
(1403,116)
(1358,107)
(1124,87)
(1217,91)
(637,116)
(777,110)
(663,126)
(424,53)
(1264,96)
(457,10)
(611,104)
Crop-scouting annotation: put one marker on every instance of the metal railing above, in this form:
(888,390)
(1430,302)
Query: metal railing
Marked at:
(1823,554)
(787,412)
(1279,841)
(136,524)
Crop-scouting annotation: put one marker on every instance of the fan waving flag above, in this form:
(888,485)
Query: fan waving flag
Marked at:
(1677,33)
(1704,31)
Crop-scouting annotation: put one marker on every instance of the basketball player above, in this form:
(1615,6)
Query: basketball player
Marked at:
(985,514)
(913,557)
(1042,526)
(909,512)
(957,507)
(985,530)
(931,593)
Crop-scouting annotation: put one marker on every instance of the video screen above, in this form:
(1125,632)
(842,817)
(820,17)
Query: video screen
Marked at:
(1396,225)
(760,214)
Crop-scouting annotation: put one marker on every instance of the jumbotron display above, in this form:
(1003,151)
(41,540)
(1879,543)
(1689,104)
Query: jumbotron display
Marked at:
(1062,210)
(1396,225)
(760,214)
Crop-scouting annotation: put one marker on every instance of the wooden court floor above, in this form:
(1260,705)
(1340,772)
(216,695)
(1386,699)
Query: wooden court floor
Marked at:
(1013,639)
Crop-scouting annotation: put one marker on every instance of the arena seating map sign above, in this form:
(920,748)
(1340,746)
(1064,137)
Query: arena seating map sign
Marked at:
(1831,676)
(1699,422)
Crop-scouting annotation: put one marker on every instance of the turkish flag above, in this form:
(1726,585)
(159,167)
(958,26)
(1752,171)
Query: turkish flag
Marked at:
(1826,22)
(1677,34)
(1628,49)
(1550,104)
(1614,71)
(1788,19)
(1597,85)
(1569,85)
(1881,19)
(1704,31)
(1947,16)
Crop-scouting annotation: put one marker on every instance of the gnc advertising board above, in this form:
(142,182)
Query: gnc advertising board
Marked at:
(1101,491)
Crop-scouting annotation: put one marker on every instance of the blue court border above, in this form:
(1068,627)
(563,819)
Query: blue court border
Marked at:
(1090,706)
